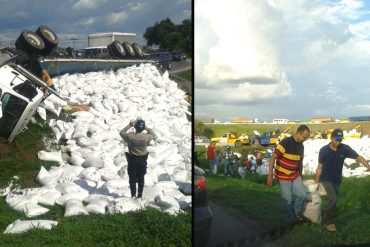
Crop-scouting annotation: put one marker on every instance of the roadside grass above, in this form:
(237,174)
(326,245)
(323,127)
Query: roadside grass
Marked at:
(148,227)
(253,199)
(187,75)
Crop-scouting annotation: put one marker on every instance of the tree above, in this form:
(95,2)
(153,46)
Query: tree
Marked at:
(202,129)
(169,36)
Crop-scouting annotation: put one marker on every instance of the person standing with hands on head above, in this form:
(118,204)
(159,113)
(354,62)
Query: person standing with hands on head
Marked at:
(137,154)
(329,172)
(288,156)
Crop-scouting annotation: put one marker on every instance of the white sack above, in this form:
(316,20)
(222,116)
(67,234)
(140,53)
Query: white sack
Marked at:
(51,156)
(20,226)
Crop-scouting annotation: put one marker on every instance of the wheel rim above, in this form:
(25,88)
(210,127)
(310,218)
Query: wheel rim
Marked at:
(49,35)
(33,39)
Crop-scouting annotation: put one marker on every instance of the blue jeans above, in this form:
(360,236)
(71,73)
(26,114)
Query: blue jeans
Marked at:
(211,165)
(287,190)
(227,167)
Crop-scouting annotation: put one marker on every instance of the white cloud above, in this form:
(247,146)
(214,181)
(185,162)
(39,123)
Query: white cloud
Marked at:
(88,4)
(135,6)
(363,107)
(116,18)
(183,1)
(87,21)
(307,54)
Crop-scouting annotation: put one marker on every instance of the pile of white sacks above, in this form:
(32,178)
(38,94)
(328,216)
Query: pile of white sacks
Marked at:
(94,179)
(311,156)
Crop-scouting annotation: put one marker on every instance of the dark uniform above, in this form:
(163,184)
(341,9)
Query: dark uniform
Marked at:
(137,154)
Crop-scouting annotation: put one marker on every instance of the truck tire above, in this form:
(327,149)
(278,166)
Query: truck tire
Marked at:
(110,51)
(50,39)
(238,144)
(130,53)
(138,51)
(117,49)
(29,42)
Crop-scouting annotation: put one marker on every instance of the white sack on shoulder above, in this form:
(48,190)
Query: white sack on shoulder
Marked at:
(51,156)
(20,226)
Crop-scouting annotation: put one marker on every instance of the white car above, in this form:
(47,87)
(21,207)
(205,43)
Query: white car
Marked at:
(201,139)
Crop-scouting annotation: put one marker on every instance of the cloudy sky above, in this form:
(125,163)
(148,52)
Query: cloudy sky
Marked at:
(78,18)
(293,59)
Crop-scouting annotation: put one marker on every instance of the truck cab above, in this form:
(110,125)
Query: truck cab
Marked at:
(230,138)
(19,99)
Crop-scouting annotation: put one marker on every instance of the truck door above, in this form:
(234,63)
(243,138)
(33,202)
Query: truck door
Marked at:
(224,138)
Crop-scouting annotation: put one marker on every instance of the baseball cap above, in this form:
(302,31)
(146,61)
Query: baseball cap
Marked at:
(337,134)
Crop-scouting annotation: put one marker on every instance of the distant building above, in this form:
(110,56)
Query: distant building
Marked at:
(321,120)
(280,121)
(104,39)
(359,119)
(243,121)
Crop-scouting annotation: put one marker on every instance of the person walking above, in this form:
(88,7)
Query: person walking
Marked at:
(211,154)
(226,157)
(137,154)
(329,172)
(288,156)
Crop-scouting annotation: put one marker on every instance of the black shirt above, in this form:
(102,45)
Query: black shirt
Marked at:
(332,162)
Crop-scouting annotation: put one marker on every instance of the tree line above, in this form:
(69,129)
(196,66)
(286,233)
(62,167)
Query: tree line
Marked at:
(169,36)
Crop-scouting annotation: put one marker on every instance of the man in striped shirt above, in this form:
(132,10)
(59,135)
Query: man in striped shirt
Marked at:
(287,159)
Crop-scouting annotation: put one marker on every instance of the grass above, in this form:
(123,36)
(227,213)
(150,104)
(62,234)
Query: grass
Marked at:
(148,227)
(252,198)
(219,129)
(187,75)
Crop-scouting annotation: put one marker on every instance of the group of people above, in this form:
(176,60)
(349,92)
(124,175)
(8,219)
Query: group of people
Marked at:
(232,163)
(286,164)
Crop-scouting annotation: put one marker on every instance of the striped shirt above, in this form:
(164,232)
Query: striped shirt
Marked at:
(290,156)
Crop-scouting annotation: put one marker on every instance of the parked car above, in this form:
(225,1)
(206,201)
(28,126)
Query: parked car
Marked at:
(178,56)
(163,59)
(201,139)
(202,220)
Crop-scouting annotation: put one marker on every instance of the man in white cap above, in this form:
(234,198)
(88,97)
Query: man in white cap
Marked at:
(329,172)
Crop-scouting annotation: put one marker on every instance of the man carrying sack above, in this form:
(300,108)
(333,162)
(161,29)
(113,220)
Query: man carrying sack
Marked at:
(137,154)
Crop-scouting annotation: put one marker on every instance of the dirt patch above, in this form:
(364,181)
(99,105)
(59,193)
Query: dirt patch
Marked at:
(28,151)
(4,150)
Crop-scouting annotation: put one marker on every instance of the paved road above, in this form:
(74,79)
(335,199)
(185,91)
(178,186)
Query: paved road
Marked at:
(229,228)
(178,66)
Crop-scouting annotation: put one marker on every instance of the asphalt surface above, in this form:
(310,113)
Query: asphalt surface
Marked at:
(230,228)
(180,66)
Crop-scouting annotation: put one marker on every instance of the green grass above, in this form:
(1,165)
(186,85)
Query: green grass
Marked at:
(252,198)
(219,129)
(148,227)
(187,75)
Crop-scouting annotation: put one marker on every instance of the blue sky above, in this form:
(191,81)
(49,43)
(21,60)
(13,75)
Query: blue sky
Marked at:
(78,18)
(282,59)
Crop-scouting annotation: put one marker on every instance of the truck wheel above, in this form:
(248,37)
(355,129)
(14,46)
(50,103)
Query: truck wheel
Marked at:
(110,51)
(50,39)
(128,49)
(238,144)
(138,51)
(117,49)
(29,42)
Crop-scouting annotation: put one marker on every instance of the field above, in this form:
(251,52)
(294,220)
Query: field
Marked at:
(219,129)
(254,200)
(149,227)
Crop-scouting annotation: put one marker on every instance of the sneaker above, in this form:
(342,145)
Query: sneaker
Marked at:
(331,228)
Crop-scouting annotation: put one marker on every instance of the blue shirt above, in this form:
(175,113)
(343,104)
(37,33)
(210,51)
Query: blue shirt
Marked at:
(332,162)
